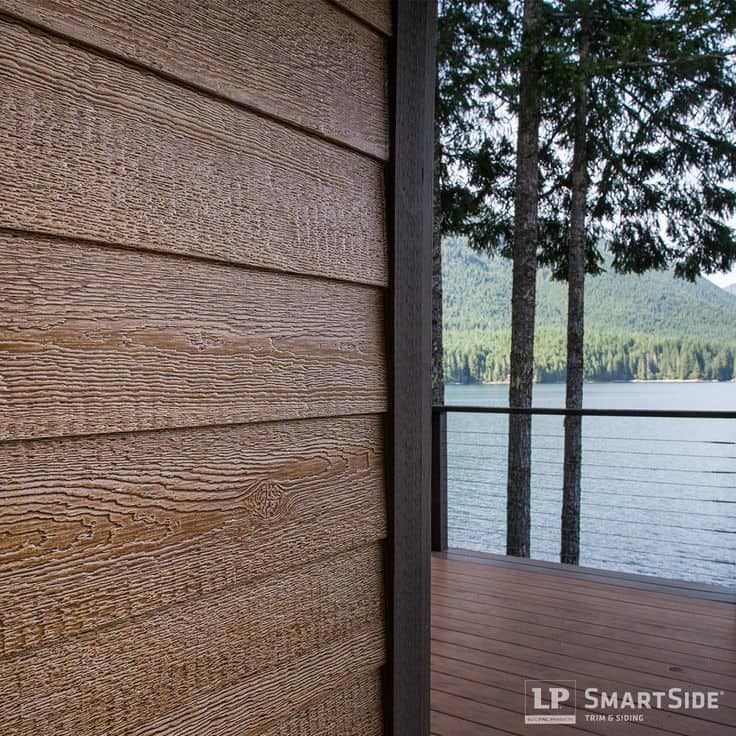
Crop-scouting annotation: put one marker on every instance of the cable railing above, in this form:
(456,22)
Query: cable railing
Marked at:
(658,490)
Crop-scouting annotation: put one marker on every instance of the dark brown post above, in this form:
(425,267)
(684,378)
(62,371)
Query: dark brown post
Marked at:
(409,322)
(439,481)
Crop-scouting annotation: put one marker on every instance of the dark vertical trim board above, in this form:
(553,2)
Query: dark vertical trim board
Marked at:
(439,481)
(410,347)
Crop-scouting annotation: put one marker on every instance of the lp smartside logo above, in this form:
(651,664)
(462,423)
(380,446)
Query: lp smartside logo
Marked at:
(549,702)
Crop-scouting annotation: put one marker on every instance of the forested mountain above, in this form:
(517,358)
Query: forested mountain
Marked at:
(731,288)
(645,327)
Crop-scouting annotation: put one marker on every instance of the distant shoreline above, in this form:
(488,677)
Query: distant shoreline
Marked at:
(562,383)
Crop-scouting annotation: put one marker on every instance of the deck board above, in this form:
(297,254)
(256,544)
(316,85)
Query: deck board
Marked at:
(496,623)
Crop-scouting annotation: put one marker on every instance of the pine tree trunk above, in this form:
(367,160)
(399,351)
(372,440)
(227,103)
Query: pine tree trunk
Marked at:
(438,373)
(523,298)
(570,546)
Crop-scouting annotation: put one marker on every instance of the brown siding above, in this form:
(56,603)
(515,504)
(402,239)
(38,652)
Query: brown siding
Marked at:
(255,703)
(121,340)
(95,149)
(192,367)
(162,661)
(354,710)
(376,13)
(267,54)
(111,526)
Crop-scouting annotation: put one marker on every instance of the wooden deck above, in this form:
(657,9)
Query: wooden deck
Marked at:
(497,622)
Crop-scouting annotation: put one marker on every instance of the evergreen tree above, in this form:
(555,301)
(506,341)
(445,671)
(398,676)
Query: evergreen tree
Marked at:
(523,292)
(501,65)
(663,117)
(652,85)
(474,83)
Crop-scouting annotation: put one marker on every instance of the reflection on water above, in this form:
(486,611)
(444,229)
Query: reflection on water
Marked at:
(658,495)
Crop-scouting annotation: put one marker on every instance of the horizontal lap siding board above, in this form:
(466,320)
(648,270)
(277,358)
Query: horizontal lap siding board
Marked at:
(95,339)
(358,708)
(267,51)
(100,150)
(93,530)
(145,667)
(377,13)
(250,707)
(193,368)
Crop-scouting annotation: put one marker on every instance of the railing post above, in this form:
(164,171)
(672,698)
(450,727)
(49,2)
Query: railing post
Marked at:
(439,481)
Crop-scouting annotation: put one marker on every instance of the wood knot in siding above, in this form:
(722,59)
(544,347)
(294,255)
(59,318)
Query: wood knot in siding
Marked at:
(267,500)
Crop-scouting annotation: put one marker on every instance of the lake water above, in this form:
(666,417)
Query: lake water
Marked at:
(658,495)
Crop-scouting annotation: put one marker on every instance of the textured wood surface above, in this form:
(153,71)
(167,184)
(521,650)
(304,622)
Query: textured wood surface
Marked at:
(353,710)
(99,529)
(95,149)
(376,13)
(192,368)
(303,62)
(147,666)
(95,339)
(261,702)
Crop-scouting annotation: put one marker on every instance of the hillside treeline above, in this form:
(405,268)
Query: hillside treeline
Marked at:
(481,357)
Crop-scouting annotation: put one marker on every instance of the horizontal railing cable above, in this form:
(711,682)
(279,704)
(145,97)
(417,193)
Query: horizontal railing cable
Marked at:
(699,515)
(550,411)
(618,466)
(610,478)
(628,520)
(633,522)
(607,438)
(628,549)
(603,450)
(486,484)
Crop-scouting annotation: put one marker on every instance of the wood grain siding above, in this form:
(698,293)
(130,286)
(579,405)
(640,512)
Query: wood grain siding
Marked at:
(193,368)
(95,149)
(146,667)
(267,54)
(357,707)
(376,13)
(97,529)
(103,340)
(260,702)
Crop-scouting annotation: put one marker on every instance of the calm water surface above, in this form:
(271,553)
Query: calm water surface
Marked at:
(658,495)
